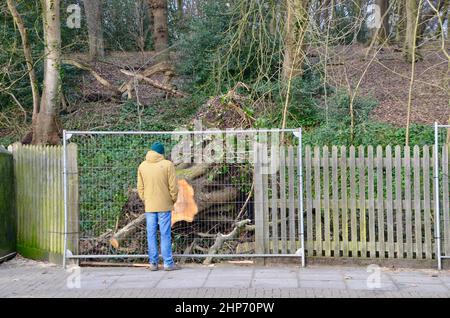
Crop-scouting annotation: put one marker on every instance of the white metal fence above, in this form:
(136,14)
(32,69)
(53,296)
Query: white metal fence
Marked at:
(441,181)
(240,194)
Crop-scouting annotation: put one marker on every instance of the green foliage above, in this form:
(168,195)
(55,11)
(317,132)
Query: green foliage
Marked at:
(123,22)
(200,41)
(368,133)
(107,173)
(13,78)
(348,24)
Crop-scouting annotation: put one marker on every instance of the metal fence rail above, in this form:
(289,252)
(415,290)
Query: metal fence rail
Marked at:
(441,181)
(221,168)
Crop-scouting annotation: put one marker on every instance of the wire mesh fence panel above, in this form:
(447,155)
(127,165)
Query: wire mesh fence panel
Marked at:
(225,192)
(441,167)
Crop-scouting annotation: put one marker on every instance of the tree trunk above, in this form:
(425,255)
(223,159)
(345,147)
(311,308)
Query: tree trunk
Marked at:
(383,32)
(160,28)
(274,17)
(411,30)
(46,129)
(400,26)
(93,10)
(326,15)
(295,29)
(180,9)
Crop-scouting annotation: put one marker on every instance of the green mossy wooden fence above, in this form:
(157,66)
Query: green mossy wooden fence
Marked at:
(7,205)
(40,200)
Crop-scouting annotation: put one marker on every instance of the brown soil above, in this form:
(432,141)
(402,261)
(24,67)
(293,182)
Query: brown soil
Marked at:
(109,68)
(386,77)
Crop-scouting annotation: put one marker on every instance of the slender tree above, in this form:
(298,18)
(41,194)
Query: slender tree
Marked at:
(400,23)
(412,19)
(180,9)
(46,128)
(12,6)
(93,10)
(383,32)
(296,23)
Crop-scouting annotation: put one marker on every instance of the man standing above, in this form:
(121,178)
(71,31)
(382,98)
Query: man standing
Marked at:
(157,188)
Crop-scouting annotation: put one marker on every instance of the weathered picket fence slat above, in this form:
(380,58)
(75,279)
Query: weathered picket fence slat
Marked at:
(445,201)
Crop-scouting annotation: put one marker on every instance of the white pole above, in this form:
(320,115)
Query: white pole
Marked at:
(436,184)
(65,195)
(300,195)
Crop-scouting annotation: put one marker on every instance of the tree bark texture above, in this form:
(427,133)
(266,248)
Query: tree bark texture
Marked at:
(295,28)
(46,128)
(93,11)
(160,28)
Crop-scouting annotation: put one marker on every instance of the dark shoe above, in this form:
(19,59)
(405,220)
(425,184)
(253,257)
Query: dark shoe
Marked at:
(174,267)
(153,267)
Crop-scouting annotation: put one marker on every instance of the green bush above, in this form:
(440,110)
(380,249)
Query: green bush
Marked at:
(369,133)
(198,44)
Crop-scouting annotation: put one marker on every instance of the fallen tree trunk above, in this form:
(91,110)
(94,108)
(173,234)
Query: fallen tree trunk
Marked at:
(162,67)
(97,76)
(156,84)
(127,231)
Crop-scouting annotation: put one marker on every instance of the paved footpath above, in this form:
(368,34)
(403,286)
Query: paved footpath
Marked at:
(25,278)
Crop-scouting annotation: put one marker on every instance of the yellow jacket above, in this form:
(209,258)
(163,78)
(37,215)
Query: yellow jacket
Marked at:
(157,184)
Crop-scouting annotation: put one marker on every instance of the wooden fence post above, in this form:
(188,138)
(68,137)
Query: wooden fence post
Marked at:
(73,210)
(259,201)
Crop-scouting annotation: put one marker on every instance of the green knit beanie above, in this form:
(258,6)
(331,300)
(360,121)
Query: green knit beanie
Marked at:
(158,147)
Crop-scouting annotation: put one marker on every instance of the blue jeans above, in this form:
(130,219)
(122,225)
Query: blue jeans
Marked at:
(164,220)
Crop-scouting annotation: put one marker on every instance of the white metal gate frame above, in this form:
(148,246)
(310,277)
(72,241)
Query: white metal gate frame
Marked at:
(439,255)
(67,134)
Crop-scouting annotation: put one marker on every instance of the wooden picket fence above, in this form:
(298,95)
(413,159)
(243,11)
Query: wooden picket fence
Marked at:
(362,202)
(358,202)
(40,200)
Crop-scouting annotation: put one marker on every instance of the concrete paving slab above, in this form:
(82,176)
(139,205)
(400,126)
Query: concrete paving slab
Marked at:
(95,284)
(133,284)
(284,276)
(326,276)
(180,283)
(365,285)
(227,283)
(274,283)
(419,279)
(427,288)
(330,284)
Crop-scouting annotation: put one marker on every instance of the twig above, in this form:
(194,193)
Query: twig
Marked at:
(221,239)
(245,204)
